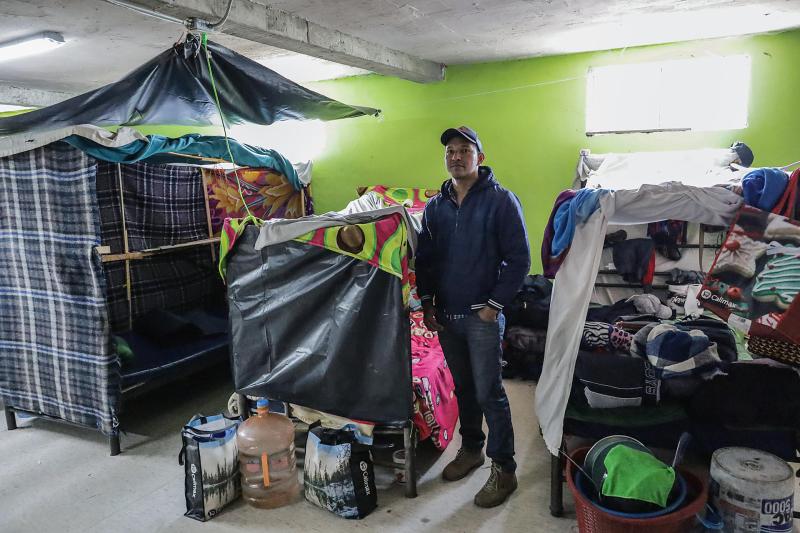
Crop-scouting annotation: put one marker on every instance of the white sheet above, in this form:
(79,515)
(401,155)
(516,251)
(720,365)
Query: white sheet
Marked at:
(575,279)
(22,142)
(700,168)
(304,170)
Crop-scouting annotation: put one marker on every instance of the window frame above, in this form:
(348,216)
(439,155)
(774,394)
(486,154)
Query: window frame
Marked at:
(662,103)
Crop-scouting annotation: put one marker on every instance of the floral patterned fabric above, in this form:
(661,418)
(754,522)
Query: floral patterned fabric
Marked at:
(413,199)
(267,192)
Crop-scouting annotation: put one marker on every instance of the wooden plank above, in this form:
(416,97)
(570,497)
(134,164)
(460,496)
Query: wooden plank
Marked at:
(208,213)
(149,252)
(199,157)
(128,288)
(111,258)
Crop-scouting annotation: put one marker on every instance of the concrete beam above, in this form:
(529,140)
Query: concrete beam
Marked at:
(264,24)
(16,95)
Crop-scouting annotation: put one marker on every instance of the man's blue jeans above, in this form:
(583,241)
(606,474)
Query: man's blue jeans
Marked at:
(472,349)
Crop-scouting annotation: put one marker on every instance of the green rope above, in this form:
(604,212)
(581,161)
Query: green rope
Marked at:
(224,128)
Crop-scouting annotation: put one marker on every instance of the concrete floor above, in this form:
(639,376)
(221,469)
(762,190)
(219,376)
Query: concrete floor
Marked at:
(55,477)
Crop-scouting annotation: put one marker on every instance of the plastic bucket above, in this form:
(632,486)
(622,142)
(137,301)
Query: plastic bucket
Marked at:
(753,490)
(592,519)
(595,458)
(594,465)
(587,489)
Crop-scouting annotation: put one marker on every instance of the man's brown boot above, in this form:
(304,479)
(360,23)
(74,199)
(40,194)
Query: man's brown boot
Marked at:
(464,463)
(497,489)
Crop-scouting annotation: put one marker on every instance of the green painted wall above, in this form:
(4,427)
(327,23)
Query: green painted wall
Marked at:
(530,115)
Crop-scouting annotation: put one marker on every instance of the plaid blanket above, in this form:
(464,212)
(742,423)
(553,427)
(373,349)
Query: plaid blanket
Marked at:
(164,205)
(675,352)
(54,337)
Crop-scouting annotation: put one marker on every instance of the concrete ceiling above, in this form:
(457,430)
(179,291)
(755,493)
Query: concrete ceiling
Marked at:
(104,41)
(467,31)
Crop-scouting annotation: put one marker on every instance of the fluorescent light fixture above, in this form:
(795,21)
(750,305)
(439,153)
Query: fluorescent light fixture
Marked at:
(34,44)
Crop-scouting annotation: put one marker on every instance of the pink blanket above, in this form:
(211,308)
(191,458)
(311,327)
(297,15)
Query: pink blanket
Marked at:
(435,408)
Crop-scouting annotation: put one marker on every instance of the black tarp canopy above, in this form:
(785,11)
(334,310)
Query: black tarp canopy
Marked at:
(174,88)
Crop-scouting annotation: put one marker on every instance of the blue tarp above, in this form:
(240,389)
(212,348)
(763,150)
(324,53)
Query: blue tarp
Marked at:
(187,149)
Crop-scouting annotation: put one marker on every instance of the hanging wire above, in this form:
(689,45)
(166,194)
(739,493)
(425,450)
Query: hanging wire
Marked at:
(215,26)
(224,127)
(191,23)
(181,37)
(382,117)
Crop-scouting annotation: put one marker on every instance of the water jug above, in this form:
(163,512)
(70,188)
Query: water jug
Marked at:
(267,459)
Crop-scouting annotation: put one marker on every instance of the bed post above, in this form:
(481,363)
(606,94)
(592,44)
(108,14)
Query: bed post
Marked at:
(411,460)
(557,482)
(113,443)
(128,289)
(11,419)
(244,410)
(208,212)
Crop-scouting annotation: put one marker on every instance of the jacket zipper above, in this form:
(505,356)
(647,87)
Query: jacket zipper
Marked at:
(458,211)
(458,208)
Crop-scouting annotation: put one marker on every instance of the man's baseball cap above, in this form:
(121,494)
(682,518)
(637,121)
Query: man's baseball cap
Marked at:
(462,131)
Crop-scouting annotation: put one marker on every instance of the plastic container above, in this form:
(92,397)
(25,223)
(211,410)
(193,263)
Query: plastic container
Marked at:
(592,519)
(595,458)
(753,490)
(594,465)
(267,460)
(586,488)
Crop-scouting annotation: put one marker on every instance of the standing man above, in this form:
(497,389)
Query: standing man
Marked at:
(471,260)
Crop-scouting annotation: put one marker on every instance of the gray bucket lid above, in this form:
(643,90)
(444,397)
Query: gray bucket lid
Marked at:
(752,465)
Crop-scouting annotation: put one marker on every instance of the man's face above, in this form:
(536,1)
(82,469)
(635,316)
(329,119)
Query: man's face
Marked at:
(462,158)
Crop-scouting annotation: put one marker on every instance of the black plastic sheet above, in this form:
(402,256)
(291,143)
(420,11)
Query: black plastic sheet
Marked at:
(174,88)
(319,329)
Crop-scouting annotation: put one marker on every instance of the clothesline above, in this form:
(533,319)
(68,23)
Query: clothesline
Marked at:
(400,107)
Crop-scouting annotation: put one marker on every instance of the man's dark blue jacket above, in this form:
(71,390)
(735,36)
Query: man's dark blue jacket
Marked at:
(474,255)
